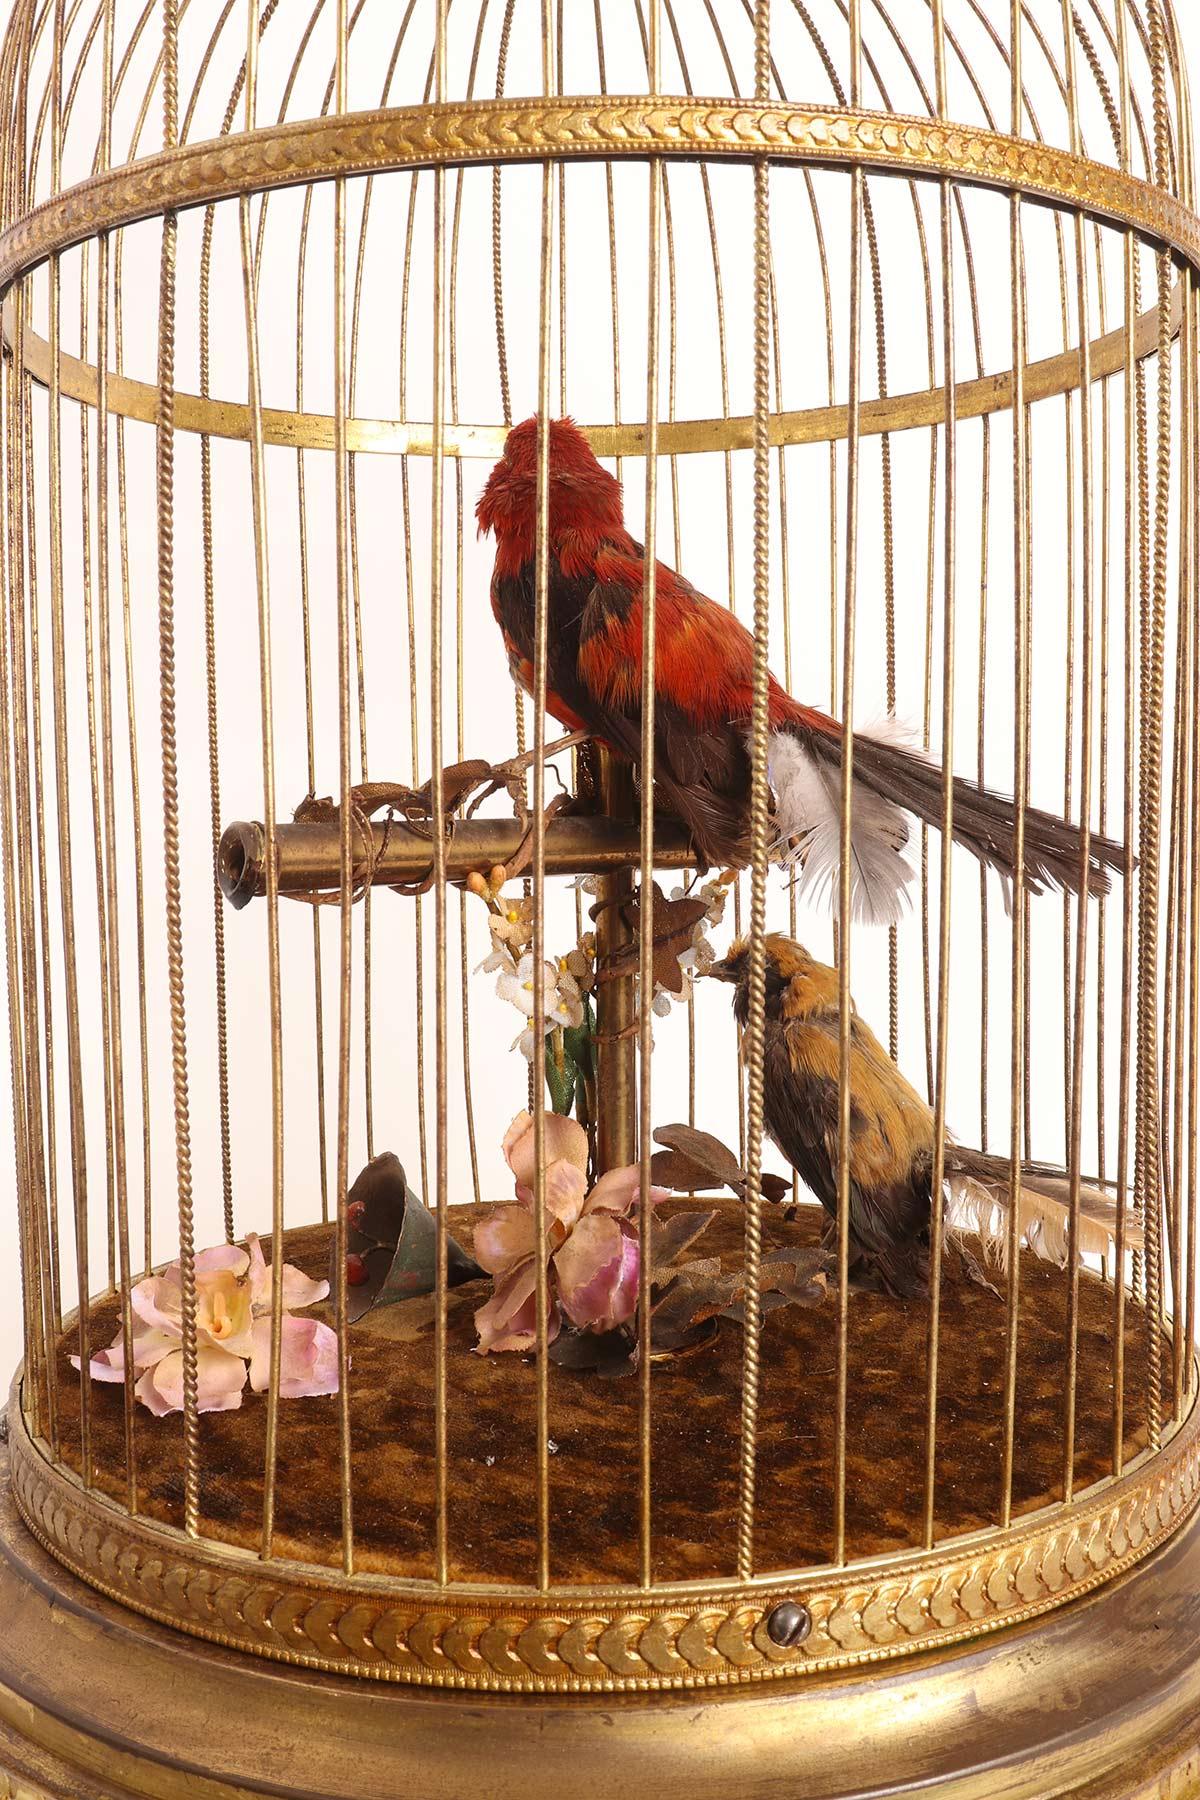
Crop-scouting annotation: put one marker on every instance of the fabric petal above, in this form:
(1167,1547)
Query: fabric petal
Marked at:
(504,1238)
(509,1320)
(566,1193)
(299,1290)
(308,1358)
(566,1141)
(158,1300)
(223,1311)
(106,1365)
(619,1191)
(597,1270)
(258,1275)
(149,1347)
(220,1379)
(147,1388)
(616,1192)
(223,1256)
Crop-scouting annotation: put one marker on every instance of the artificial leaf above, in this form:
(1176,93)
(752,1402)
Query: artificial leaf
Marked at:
(560,1082)
(604,1353)
(669,1238)
(695,1162)
(704,1151)
(674,924)
(579,1041)
(695,1293)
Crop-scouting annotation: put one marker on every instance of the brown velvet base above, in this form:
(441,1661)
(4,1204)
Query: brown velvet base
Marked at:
(695,1433)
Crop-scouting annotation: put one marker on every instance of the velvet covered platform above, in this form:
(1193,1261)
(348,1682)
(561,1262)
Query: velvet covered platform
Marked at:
(594,1427)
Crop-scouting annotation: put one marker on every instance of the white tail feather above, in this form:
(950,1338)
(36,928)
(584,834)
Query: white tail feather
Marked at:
(808,820)
(979,1208)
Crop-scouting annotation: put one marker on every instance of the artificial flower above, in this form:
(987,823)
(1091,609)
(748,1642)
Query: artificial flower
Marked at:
(591,1242)
(233,1303)
(561,1001)
(308,1358)
(580,963)
(512,925)
(220,1378)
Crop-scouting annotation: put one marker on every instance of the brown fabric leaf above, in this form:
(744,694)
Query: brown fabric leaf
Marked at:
(705,1151)
(670,1169)
(696,1162)
(776,1188)
(674,922)
(669,1238)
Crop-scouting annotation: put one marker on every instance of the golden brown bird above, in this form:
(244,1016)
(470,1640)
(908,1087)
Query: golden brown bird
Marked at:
(891,1138)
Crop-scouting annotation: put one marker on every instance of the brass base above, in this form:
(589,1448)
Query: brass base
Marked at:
(1099,1700)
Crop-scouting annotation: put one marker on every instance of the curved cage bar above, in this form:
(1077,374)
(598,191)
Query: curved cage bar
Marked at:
(886,317)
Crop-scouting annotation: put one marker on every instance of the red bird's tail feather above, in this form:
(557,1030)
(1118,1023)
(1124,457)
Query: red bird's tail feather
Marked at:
(893,778)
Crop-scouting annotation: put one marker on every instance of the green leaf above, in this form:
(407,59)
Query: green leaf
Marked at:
(579,1042)
(561,1082)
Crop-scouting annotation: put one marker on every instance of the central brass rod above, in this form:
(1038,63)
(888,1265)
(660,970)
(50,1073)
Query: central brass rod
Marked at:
(308,853)
(616,1055)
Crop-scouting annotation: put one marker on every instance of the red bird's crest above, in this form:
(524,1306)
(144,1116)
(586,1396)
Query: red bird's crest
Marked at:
(585,500)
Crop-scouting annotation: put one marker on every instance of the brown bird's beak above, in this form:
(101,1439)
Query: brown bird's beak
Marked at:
(723,970)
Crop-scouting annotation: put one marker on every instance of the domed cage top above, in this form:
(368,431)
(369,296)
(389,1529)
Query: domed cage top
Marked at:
(886,317)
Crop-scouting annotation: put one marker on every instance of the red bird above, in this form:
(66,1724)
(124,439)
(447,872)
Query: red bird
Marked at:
(703,682)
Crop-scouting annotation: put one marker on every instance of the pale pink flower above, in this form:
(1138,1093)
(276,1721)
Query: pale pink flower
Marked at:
(220,1378)
(308,1358)
(565,1139)
(591,1247)
(233,1301)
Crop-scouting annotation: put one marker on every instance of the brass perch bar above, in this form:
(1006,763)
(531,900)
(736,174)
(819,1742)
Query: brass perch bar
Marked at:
(308,852)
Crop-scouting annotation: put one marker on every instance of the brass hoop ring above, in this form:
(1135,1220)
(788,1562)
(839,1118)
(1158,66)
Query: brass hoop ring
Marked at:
(591,128)
(980,398)
(606,1638)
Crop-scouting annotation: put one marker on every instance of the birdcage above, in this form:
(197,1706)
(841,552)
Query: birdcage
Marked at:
(886,317)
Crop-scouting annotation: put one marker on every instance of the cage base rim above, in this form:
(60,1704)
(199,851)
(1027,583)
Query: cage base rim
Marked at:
(1098,1700)
(706,1637)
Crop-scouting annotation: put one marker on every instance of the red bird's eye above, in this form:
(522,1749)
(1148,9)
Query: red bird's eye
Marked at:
(356,1214)
(356,1269)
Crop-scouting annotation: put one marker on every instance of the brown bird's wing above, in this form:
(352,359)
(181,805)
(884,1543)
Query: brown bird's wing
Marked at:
(889,1156)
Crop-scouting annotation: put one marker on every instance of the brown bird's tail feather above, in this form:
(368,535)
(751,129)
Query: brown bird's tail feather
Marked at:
(893,778)
(979,1200)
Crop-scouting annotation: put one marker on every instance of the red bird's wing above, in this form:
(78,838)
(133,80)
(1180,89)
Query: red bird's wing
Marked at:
(703,663)
(523,673)
(703,659)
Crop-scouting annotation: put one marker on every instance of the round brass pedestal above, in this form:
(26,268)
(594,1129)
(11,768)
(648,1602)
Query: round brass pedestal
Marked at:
(1100,1701)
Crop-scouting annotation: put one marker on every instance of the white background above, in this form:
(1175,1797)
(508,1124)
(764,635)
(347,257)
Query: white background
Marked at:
(978,1061)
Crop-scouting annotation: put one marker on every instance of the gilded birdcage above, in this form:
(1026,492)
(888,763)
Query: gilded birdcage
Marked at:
(886,316)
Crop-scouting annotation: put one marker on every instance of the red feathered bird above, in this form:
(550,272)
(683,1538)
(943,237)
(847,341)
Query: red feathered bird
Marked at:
(704,699)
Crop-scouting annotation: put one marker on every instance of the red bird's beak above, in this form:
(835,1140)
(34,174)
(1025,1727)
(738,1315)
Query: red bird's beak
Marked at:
(723,971)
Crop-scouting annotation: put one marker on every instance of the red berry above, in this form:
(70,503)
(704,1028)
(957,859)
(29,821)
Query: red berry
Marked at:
(356,1214)
(356,1269)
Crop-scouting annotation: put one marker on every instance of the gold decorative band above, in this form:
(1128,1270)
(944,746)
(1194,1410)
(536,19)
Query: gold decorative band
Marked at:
(592,128)
(606,1639)
(1052,376)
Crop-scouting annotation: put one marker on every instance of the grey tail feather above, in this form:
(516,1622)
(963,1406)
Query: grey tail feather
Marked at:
(980,1186)
(983,820)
